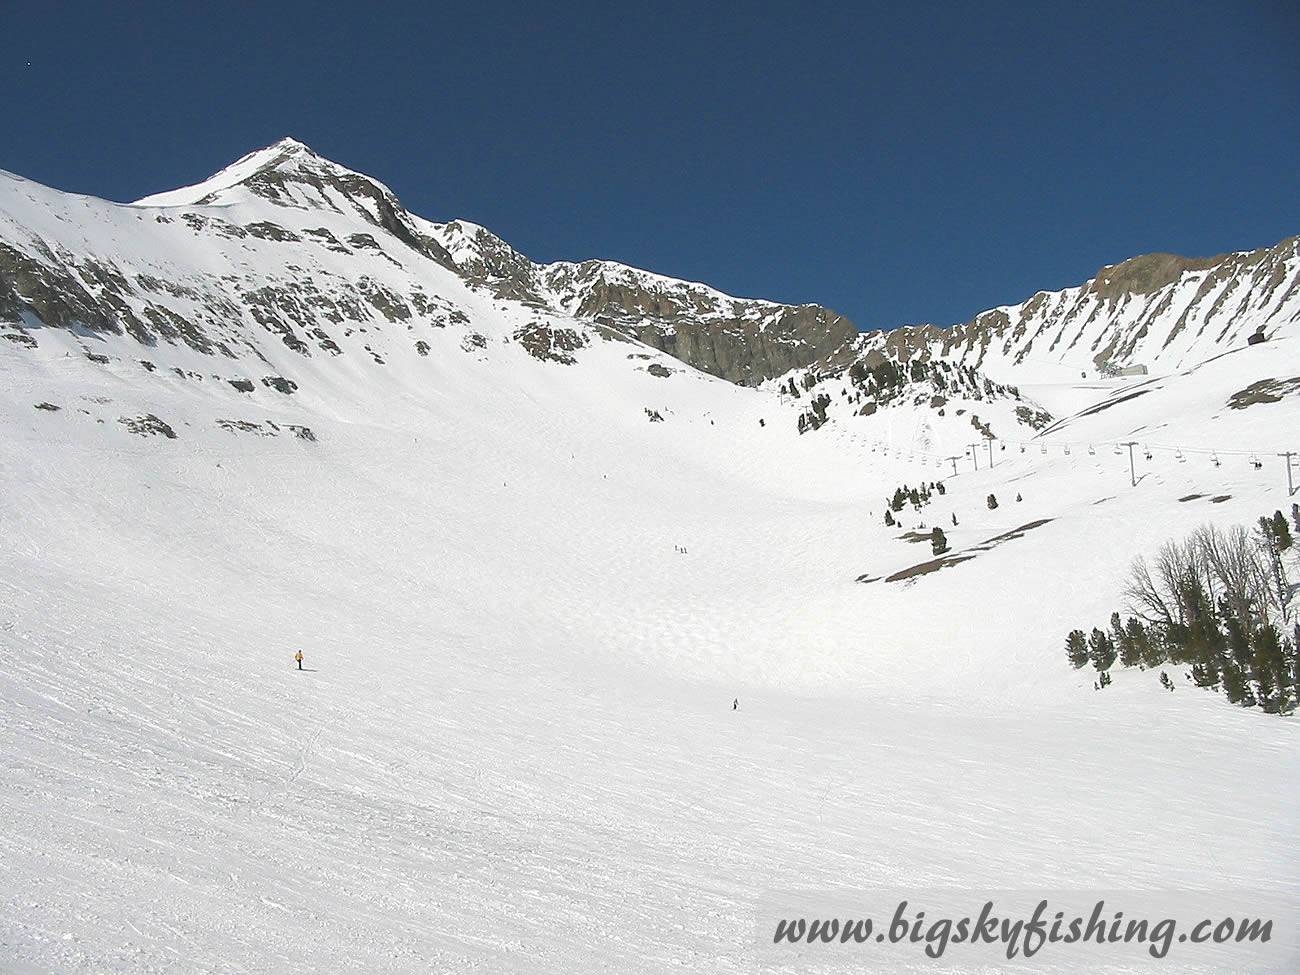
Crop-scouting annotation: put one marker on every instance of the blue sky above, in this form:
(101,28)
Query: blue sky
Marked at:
(896,162)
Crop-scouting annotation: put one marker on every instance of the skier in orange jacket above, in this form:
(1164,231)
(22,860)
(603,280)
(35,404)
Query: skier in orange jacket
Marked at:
(298,657)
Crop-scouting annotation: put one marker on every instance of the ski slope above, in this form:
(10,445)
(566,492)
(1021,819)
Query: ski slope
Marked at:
(513,747)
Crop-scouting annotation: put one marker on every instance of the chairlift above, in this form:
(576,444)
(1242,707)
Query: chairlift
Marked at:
(1178,456)
(1118,450)
(1067,450)
(1022,448)
(1044,448)
(1146,452)
(1091,449)
(1255,462)
(1214,457)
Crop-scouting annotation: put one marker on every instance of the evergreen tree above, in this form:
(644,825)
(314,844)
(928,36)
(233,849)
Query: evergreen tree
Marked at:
(954,519)
(992,501)
(1076,648)
(1269,670)
(1100,650)
(1155,647)
(1281,531)
(1240,652)
(1133,648)
(1235,685)
(938,541)
(941,488)
(889,518)
(1018,497)
(1165,682)
(1292,650)
(1119,637)
(1205,675)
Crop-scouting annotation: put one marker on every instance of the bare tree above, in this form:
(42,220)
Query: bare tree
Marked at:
(1270,546)
(1234,560)
(1145,598)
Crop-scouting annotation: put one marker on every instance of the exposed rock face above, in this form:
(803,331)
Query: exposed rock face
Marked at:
(740,349)
(742,340)
(1158,310)
(319,257)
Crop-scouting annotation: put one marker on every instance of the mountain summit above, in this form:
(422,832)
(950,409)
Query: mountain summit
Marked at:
(286,242)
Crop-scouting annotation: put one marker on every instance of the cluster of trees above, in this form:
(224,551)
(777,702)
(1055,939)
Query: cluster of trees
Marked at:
(917,497)
(879,378)
(1220,603)
(810,379)
(816,415)
(888,380)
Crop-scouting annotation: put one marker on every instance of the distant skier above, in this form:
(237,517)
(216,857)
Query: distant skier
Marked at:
(735,705)
(298,657)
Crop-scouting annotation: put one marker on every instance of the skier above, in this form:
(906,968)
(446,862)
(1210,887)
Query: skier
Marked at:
(735,705)
(298,657)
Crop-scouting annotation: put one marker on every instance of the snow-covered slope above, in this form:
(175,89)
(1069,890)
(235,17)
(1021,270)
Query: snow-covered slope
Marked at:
(531,564)
(1158,311)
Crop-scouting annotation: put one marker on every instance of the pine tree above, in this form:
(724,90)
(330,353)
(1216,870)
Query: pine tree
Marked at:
(942,489)
(992,501)
(1100,650)
(1281,531)
(938,541)
(1018,497)
(1119,637)
(1165,682)
(1133,651)
(1076,648)
(1293,662)
(954,519)
(1269,669)
(1155,651)
(1235,686)
(889,518)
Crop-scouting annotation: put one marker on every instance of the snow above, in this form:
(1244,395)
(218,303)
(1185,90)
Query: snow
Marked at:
(513,748)
(234,174)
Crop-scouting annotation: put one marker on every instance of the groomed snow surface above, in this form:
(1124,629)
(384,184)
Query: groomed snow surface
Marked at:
(513,748)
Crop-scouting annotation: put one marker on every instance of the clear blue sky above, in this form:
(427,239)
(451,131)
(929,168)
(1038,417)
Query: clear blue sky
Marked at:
(897,162)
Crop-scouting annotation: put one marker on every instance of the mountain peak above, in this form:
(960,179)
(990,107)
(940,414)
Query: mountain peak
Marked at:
(288,156)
